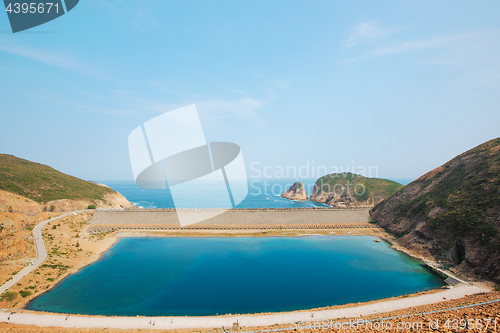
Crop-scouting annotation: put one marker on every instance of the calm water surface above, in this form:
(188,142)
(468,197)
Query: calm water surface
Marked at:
(206,276)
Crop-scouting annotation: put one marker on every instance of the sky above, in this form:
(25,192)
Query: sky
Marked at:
(391,88)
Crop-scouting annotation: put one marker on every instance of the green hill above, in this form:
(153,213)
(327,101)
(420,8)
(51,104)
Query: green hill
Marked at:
(349,188)
(452,212)
(43,183)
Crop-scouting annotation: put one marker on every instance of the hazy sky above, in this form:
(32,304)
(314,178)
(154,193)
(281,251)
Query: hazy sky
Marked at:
(402,86)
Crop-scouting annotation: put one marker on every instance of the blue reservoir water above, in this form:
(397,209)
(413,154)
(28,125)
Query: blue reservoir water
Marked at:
(208,276)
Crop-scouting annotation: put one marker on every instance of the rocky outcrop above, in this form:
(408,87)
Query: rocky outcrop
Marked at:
(11,202)
(452,213)
(110,201)
(343,190)
(296,192)
(114,200)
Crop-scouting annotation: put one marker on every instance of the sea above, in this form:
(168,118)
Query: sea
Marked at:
(262,193)
(189,276)
(182,276)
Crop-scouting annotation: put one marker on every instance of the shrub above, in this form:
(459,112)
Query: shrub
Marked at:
(8,295)
(91,207)
(24,293)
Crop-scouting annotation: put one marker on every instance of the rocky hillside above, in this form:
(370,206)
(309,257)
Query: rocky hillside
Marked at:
(32,192)
(32,187)
(452,212)
(349,189)
(296,192)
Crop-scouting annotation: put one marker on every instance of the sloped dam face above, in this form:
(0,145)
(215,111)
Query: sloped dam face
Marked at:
(222,275)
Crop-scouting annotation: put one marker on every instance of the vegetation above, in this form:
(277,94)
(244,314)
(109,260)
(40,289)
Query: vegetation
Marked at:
(468,187)
(453,209)
(60,267)
(43,183)
(91,207)
(24,293)
(360,187)
(8,295)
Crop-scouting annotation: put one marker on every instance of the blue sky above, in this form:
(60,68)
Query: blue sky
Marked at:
(402,86)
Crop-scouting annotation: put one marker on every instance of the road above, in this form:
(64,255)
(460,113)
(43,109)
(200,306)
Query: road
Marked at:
(43,319)
(168,323)
(40,250)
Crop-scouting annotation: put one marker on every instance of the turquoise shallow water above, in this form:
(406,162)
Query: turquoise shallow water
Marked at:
(206,276)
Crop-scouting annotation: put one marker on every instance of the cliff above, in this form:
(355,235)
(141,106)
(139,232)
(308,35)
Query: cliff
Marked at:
(347,189)
(452,213)
(296,192)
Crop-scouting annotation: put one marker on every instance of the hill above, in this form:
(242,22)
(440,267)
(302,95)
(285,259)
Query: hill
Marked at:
(452,212)
(42,183)
(349,189)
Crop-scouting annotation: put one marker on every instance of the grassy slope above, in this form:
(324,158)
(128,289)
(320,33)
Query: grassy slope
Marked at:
(373,186)
(457,203)
(43,183)
(466,188)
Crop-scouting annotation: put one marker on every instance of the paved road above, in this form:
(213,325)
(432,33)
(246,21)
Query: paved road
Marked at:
(40,250)
(43,319)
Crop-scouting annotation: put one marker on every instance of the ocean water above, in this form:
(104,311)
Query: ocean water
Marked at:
(262,193)
(209,276)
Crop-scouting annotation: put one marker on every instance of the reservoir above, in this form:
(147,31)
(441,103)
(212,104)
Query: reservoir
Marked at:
(178,276)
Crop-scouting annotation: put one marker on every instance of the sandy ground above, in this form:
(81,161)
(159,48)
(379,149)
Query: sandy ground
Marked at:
(291,318)
(458,315)
(65,257)
(69,248)
(239,217)
(17,248)
(377,233)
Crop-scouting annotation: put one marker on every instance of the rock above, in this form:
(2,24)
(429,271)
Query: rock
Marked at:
(296,192)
